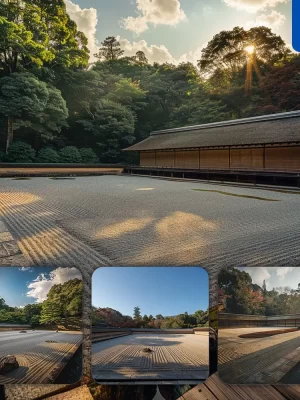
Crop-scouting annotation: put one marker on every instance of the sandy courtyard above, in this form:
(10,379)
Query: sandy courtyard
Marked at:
(173,357)
(37,358)
(124,220)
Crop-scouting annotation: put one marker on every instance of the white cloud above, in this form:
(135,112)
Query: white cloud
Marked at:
(26,269)
(258,275)
(272,20)
(275,277)
(157,12)
(192,56)
(39,288)
(283,271)
(159,53)
(154,53)
(86,20)
(253,5)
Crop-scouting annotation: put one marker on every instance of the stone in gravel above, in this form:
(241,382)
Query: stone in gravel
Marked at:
(8,363)
(147,350)
(23,332)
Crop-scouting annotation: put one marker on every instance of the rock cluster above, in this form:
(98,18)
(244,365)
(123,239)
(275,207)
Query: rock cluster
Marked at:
(8,363)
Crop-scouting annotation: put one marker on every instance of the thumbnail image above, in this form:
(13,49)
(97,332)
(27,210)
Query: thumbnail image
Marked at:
(40,325)
(150,324)
(259,321)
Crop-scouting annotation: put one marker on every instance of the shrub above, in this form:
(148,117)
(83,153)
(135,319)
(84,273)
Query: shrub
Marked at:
(20,152)
(2,156)
(48,155)
(70,154)
(88,156)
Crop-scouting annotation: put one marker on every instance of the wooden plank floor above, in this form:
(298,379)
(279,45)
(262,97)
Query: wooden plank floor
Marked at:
(215,389)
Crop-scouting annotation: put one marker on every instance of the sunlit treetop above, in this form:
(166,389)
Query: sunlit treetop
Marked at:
(39,32)
(228,50)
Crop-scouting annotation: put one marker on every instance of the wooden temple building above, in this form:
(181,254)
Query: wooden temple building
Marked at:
(264,143)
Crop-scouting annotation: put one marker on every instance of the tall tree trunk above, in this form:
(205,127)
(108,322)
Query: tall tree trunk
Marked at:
(10,132)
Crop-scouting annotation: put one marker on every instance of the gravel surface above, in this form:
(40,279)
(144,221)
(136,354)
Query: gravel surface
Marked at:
(37,358)
(123,220)
(173,356)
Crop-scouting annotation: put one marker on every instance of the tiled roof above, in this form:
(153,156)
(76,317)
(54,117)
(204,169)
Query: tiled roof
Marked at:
(269,129)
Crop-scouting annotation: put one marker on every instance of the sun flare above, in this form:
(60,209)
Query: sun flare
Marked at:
(250,49)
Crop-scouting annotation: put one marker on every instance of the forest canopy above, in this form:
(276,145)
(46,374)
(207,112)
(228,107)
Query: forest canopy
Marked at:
(55,107)
(239,295)
(107,317)
(63,307)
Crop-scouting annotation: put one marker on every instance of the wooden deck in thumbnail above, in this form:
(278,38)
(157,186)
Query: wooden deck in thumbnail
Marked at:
(215,389)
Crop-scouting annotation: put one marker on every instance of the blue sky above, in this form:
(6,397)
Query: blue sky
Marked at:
(21,286)
(178,31)
(156,290)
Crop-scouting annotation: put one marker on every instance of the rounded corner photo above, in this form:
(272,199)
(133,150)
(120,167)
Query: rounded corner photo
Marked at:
(40,325)
(150,325)
(259,325)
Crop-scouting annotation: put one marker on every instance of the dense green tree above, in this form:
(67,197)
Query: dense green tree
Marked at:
(113,318)
(137,313)
(63,304)
(17,46)
(141,57)
(35,321)
(81,90)
(280,87)
(238,287)
(3,305)
(51,313)
(29,102)
(22,96)
(32,310)
(112,128)
(110,50)
(226,51)
(38,32)
(240,295)
(128,93)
